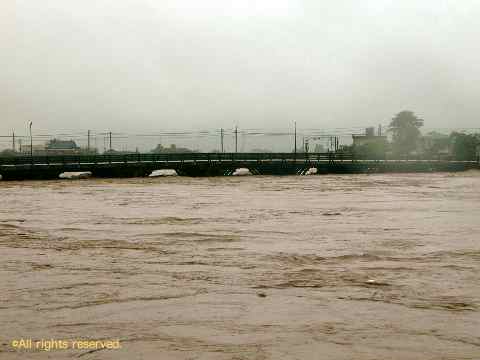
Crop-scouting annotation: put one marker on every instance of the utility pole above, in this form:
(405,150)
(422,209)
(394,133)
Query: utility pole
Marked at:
(31,141)
(295,140)
(13,140)
(221,140)
(88,141)
(236,139)
(110,136)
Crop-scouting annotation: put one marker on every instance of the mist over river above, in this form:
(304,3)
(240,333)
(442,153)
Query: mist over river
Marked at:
(383,266)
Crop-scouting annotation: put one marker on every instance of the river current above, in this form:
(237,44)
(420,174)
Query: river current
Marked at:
(383,266)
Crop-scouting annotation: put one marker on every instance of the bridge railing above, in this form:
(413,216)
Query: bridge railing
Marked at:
(172,157)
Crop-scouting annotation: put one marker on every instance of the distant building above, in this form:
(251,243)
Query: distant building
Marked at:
(60,147)
(369,138)
(37,149)
(52,147)
(370,146)
(61,144)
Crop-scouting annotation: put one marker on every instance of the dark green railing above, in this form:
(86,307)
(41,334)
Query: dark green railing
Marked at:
(180,157)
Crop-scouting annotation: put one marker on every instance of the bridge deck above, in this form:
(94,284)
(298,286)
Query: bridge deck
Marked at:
(211,164)
(180,157)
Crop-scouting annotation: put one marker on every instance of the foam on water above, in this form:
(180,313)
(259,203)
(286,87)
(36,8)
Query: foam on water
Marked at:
(241,172)
(163,172)
(71,175)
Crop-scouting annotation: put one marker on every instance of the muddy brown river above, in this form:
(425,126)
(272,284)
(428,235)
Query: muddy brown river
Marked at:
(383,266)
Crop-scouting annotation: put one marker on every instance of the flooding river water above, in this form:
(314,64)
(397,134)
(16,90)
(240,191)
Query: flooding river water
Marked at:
(383,266)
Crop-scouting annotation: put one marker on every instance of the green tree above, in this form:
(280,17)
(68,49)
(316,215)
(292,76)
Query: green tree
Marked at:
(373,150)
(405,129)
(173,149)
(7,152)
(435,144)
(464,146)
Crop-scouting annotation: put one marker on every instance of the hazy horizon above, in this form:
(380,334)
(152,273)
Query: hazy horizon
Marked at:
(149,66)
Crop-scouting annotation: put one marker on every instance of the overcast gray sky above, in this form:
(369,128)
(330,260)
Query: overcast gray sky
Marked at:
(149,65)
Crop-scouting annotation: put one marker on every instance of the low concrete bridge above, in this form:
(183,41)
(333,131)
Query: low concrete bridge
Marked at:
(212,164)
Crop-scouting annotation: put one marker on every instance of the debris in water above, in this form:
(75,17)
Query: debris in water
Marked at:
(261,294)
(163,172)
(241,172)
(376,283)
(311,171)
(330,213)
(71,175)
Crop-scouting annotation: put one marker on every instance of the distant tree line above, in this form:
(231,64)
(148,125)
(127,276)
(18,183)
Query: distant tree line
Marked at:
(406,141)
(172,149)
